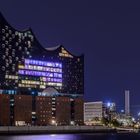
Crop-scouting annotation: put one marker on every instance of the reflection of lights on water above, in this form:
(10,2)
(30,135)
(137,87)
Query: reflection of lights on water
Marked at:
(53,135)
(60,137)
(45,137)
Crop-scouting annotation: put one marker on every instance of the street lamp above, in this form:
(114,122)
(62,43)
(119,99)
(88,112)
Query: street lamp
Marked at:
(53,122)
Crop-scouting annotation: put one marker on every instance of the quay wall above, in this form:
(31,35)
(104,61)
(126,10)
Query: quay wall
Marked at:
(52,129)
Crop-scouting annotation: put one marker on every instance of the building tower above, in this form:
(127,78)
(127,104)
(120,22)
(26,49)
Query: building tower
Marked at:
(127,102)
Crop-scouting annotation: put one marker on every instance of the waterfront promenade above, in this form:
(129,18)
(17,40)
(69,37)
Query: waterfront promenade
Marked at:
(53,129)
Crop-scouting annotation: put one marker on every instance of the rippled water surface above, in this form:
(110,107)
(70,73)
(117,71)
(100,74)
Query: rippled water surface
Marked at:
(98,136)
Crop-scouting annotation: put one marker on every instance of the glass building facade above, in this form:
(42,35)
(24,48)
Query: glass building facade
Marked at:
(28,68)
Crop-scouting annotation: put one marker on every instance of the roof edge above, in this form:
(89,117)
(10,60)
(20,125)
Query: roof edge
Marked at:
(30,29)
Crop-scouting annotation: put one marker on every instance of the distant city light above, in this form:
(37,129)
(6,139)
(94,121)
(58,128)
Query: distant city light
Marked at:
(133,119)
(108,104)
(139,114)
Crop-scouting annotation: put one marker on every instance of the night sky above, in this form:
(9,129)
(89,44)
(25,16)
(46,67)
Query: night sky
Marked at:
(107,32)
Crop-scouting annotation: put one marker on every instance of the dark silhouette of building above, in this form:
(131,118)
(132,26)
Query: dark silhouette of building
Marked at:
(22,110)
(63,111)
(40,110)
(43,110)
(4,110)
(79,111)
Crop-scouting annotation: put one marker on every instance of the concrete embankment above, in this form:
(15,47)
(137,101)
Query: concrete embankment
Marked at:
(54,129)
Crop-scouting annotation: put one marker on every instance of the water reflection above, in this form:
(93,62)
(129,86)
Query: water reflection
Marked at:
(95,136)
(39,137)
